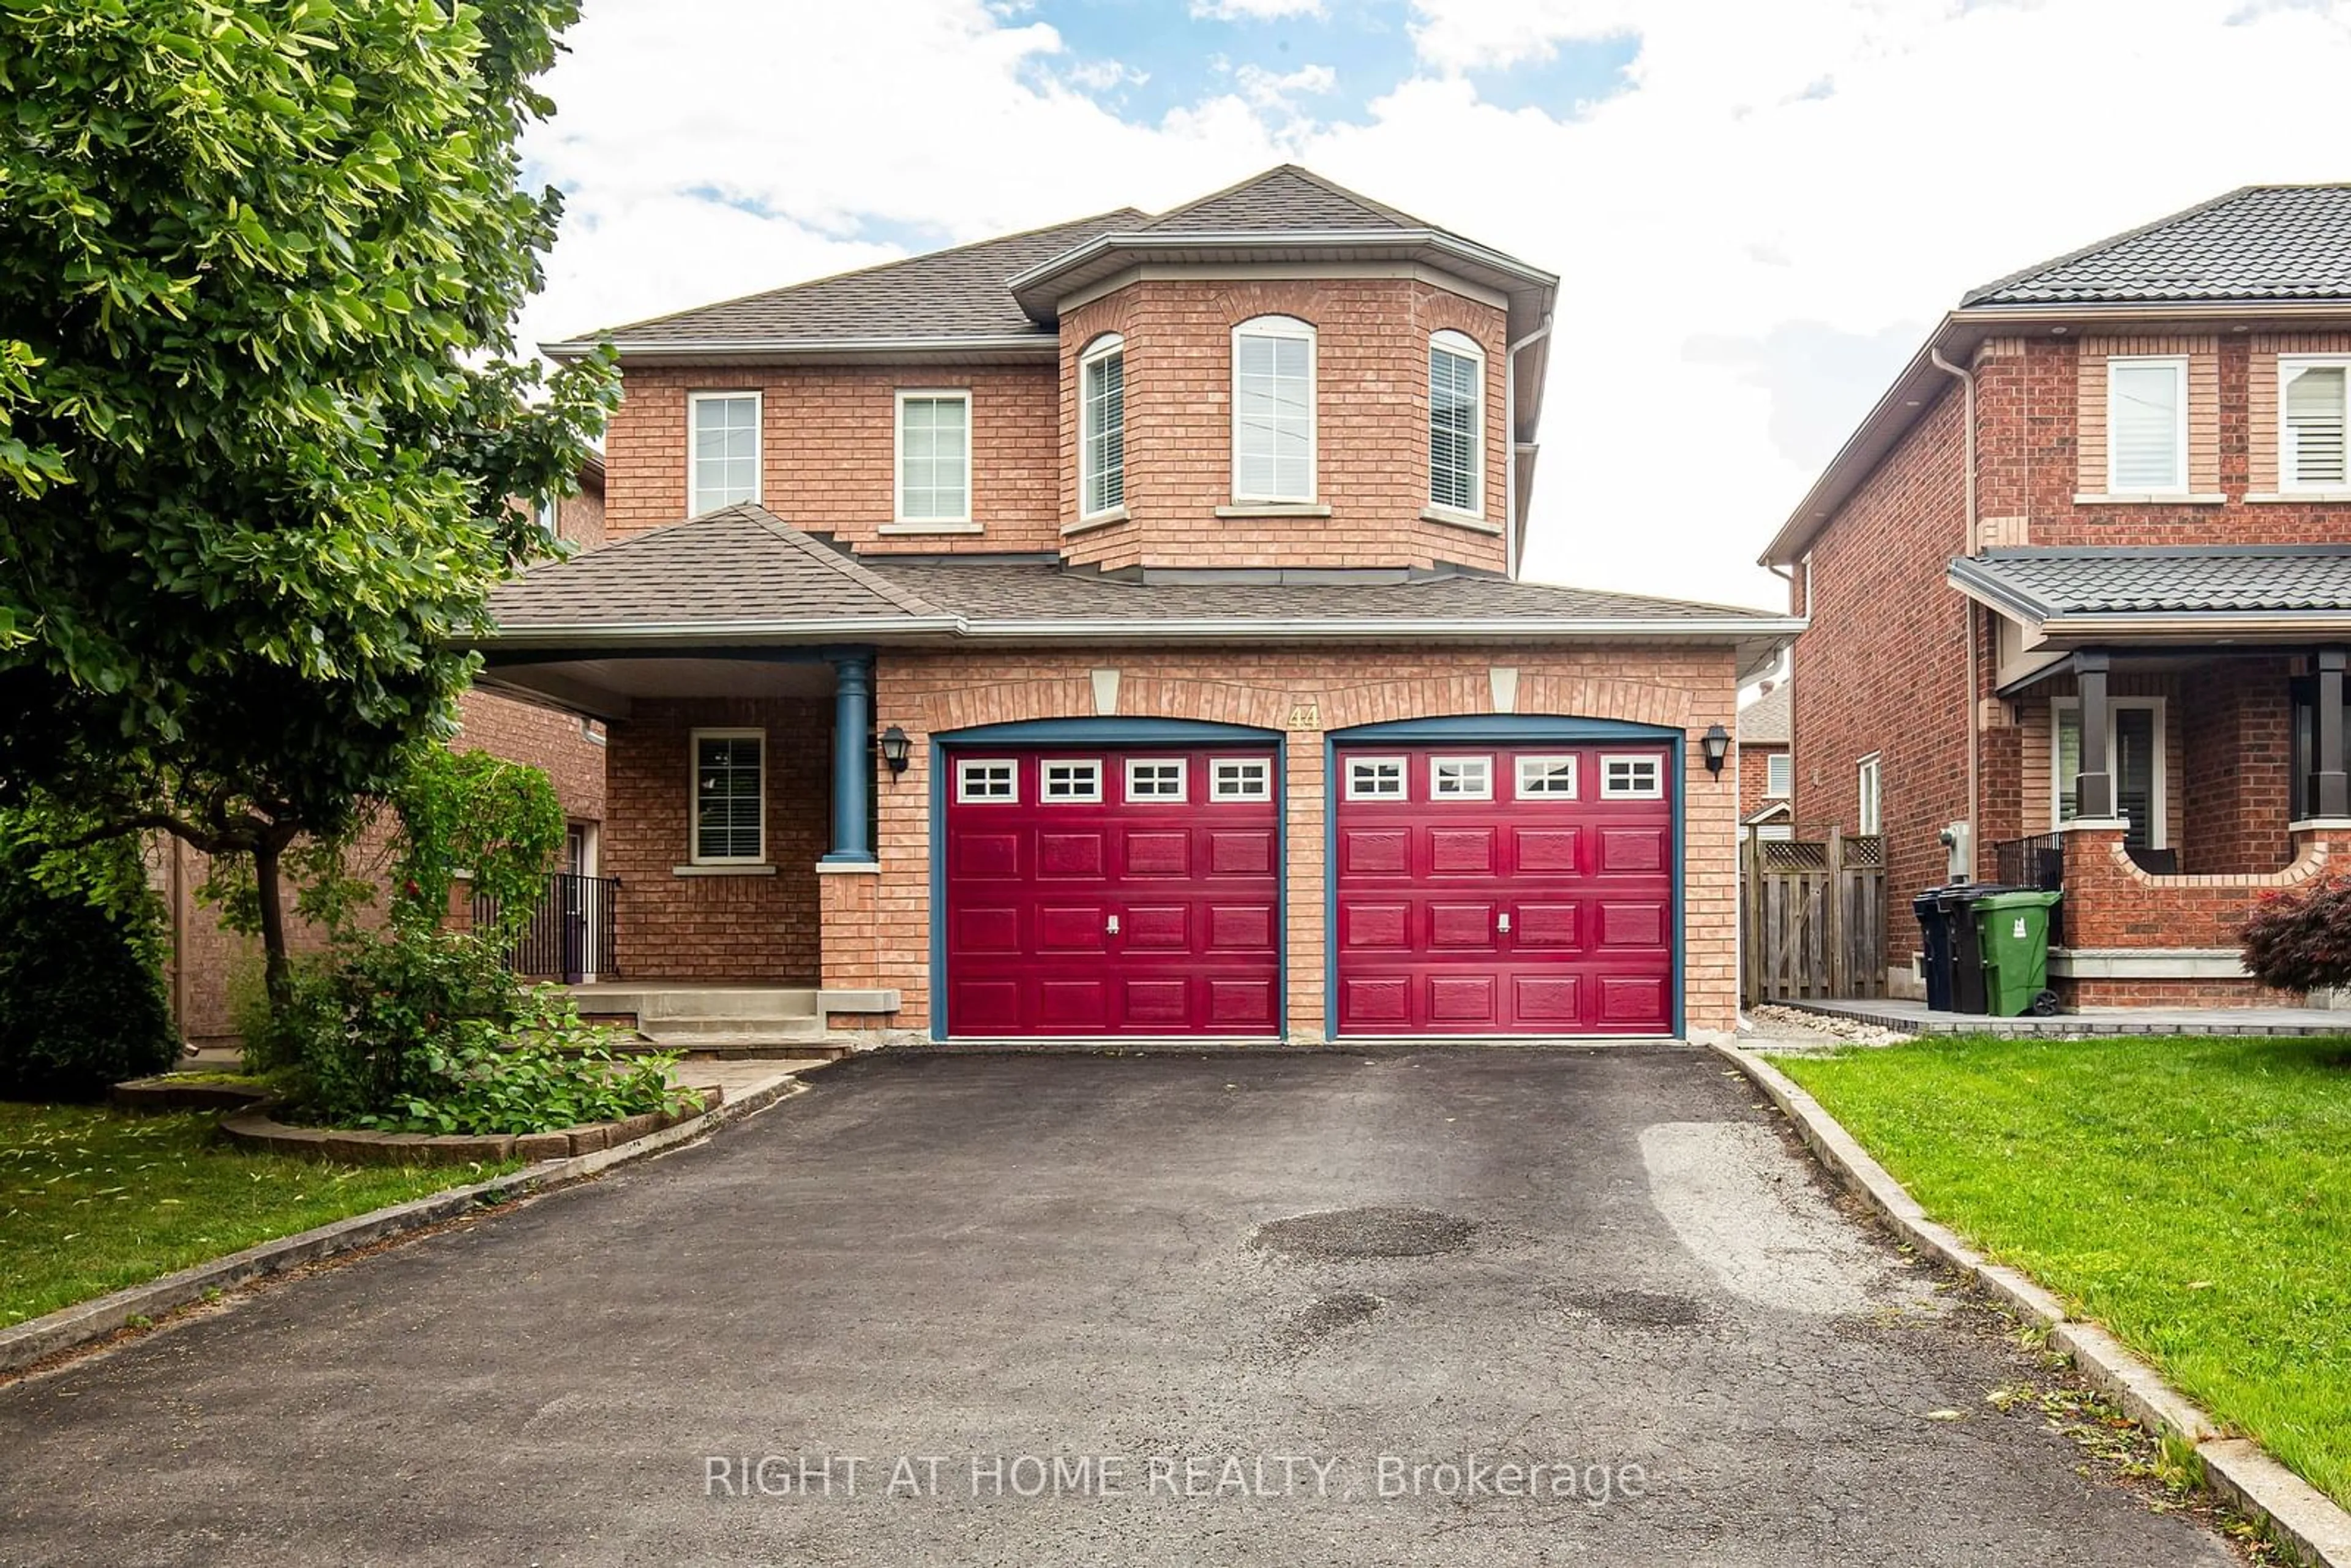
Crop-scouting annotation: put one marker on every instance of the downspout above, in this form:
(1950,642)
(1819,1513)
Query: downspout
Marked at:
(1510,446)
(1968,606)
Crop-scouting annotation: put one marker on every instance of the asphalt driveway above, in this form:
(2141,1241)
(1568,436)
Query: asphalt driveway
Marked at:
(1062,1289)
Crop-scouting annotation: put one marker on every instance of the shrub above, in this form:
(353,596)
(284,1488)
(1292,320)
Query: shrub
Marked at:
(82,947)
(2299,939)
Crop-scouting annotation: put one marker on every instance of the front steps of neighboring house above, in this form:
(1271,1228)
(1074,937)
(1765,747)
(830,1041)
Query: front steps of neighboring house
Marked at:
(723,1020)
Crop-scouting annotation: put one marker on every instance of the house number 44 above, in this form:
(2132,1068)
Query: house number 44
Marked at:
(1305,715)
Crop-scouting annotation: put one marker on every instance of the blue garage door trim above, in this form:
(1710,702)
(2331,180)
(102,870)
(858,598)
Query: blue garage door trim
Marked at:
(1500,729)
(1094,732)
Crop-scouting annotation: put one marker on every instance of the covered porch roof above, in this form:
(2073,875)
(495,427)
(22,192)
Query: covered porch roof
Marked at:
(2066,599)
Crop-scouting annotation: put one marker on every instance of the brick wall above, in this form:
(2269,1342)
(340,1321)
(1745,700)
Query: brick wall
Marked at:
(1372,424)
(568,749)
(1754,769)
(718,927)
(2235,719)
(827,444)
(1689,688)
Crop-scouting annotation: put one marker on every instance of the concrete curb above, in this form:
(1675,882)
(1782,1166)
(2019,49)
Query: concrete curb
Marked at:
(38,1339)
(2296,1513)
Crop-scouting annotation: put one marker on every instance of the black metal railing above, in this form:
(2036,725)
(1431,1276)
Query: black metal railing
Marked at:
(570,935)
(2037,861)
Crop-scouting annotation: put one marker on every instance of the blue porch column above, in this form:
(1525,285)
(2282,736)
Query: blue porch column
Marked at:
(852,758)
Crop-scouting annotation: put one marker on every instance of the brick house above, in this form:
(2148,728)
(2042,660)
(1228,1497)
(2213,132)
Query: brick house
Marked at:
(569,747)
(1115,629)
(2081,586)
(1767,763)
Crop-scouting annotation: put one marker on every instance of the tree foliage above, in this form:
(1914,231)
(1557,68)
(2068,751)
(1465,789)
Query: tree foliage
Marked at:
(501,822)
(259,431)
(2299,938)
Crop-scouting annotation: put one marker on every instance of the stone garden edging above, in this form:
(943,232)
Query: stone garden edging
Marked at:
(38,1339)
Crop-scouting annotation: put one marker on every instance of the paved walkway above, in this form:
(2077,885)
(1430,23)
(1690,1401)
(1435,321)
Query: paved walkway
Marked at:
(1284,1296)
(1916,1018)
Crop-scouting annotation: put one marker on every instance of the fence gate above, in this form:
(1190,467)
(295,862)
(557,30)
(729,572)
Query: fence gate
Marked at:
(1812,919)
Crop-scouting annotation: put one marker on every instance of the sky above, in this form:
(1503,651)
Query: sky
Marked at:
(1758,208)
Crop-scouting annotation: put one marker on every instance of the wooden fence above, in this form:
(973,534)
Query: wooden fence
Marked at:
(1812,919)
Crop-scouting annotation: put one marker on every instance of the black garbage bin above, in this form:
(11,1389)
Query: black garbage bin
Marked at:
(1934,948)
(1958,908)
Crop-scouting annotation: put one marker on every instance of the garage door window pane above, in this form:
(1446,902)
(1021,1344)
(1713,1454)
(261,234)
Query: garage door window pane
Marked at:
(727,798)
(1552,777)
(1240,778)
(1376,779)
(986,783)
(1461,778)
(1155,781)
(1631,779)
(1071,781)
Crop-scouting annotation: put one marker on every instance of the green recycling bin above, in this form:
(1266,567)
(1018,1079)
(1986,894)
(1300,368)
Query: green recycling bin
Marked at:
(2013,935)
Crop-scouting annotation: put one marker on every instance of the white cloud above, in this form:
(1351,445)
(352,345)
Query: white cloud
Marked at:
(1759,230)
(1264,90)
(1254,10)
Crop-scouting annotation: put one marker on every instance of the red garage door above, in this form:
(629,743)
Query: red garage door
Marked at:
(1113,892)
(1505,889)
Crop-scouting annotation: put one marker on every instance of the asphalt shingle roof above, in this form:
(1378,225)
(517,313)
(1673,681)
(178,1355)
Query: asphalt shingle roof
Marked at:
(1770,720)
(1285,198)
(2263,242)
(955,293)
(2244,579)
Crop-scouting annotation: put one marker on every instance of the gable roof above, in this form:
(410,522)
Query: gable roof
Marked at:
(1770,720)
(2258,242)
(945,294)
(1285,198)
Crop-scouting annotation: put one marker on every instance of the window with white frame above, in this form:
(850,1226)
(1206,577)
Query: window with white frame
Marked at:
(1457,387)
(724,455)
(1240,778)
(1636,778)
(548,515)
(1273,410)
(729,797)
(986,782)
(1865,792)
(1155,781)
(1779,774)
(1070,781)
(1461,778)
(1547,777)
(2134,747)
(2315,408)
(2146,425)
(1376,779)
(1102,441)
(935,457)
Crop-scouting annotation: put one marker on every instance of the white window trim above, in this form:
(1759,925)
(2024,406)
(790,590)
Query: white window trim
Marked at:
(1045,797)
(2179,364)
(2159,804)
(758,444)
(1281,327)
(1183,779)
(1484,793)
(1871,767)
(900,521)
(1779,762)
(1264,766)
(964,797)
(1466,347)
(2289,366)
(693,796)
(1100,348)
(1544,763)
(1651,760)
(1404,778)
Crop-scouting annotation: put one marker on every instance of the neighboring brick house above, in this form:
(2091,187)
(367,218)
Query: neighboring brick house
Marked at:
(1115,629)
(1767,763)
(2081,586)
(569,748)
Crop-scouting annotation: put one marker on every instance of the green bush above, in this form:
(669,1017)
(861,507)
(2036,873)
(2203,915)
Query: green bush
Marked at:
(82,1004)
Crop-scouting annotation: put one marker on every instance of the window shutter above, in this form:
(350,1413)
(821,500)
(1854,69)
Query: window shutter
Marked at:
(2314,423)
(2143,422)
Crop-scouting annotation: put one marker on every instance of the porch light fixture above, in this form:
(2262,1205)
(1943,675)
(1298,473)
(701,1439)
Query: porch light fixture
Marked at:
(1718,747)
(895,749)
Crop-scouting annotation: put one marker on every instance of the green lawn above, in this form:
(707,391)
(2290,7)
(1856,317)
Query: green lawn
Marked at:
(93,1200)
(2194,1196)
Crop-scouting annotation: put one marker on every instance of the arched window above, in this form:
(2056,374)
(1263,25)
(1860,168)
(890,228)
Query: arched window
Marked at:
(1456,402)
(1273,410)
(1101,426)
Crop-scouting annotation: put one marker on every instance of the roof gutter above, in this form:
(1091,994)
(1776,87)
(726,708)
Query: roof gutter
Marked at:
(1284,239)
(1044,345)
(1225,629)
(1514,530)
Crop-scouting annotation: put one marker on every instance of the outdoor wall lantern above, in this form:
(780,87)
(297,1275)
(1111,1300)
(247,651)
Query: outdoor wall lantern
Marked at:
(896,748)
(1718,747)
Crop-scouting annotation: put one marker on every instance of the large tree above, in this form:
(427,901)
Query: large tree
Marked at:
(259,426)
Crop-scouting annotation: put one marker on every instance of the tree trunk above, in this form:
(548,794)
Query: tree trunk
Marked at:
(275,975)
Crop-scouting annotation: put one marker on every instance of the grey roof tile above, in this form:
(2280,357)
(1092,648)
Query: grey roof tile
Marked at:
(1770,720)
(955,293)
(2263,242)
(1287,197)
(2221,579)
